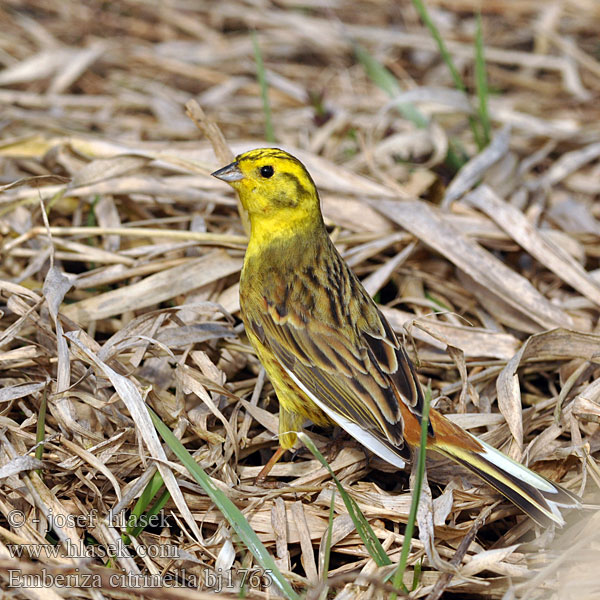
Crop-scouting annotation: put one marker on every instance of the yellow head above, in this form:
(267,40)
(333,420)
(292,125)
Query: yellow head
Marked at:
(276,190)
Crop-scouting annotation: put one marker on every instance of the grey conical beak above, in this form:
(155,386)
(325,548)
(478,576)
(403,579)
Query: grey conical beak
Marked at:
(230,173)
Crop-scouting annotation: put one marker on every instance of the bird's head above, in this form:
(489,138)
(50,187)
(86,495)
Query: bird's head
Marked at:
(275,188)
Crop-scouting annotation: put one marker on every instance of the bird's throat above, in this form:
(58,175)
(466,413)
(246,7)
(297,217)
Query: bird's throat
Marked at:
(284,243)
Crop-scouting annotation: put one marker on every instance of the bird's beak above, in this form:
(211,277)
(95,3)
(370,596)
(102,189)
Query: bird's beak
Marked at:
(229,174)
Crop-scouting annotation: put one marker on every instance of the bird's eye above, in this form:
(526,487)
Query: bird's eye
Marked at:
(266,171)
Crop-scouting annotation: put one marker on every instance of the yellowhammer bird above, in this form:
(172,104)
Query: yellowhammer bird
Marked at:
(330,353)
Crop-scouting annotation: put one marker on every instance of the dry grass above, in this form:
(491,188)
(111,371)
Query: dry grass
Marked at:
(493,275)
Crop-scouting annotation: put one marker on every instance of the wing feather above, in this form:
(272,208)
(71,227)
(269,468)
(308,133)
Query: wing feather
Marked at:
(340,347)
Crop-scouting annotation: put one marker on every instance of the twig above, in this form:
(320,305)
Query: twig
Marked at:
(442,583)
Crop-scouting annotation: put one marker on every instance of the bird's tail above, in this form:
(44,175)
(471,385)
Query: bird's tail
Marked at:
(535,495)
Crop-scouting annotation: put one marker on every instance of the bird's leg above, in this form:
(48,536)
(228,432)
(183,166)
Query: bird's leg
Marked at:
(264,472)
(340,440)
(289,424)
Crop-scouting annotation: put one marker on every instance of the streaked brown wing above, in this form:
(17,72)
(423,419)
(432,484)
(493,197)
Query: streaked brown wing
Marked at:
(356,367)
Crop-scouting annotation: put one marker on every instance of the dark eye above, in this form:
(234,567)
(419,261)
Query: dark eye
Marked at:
(267,171)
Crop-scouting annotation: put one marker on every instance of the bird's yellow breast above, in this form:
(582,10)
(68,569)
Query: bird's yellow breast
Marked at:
(290,396)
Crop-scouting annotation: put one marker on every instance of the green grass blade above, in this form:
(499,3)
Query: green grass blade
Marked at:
(457,156)
(439,303)
(377,72)
(382,78)
(146,519)
(398,579)
(149,492)
(417,575)
(481,83)
(134,520)
(230,511)
(459,84)
(370,540)
(264,90)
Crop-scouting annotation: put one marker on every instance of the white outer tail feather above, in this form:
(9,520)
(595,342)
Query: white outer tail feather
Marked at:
(507,464)
(507,468)
(534,494)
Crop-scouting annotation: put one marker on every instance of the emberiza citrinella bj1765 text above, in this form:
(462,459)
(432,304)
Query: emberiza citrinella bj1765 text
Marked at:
(329,352)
